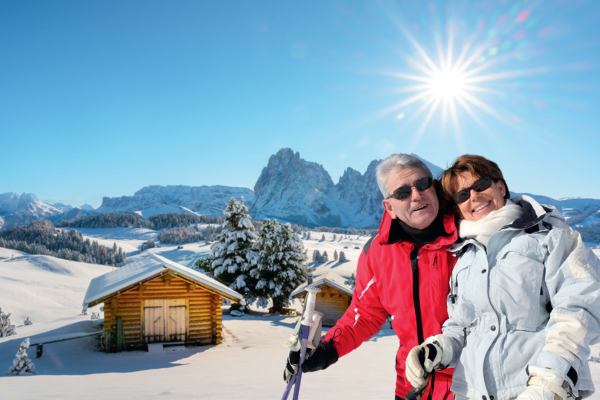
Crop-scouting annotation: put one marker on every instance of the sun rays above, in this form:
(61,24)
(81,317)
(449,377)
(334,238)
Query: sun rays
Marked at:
(460,80)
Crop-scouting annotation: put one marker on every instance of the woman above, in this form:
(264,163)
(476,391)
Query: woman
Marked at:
(524,305)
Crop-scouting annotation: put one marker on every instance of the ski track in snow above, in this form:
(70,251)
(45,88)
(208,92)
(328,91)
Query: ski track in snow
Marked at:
(247,365)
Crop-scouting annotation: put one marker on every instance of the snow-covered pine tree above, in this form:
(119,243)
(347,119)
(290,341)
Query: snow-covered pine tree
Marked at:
(276,264)
(334,236)
(335,255)
(323,237)
(317,256)
(229,253)
(22,365)
(27,322)
(308,235)
(6,328)
(324,257)
(343,257)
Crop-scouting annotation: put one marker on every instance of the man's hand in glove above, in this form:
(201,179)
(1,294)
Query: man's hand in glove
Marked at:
(421,360)
(320,358)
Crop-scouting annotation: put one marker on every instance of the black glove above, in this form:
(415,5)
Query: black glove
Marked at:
(320,358)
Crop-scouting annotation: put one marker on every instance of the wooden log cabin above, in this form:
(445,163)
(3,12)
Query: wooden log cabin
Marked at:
(155,300)
(334,298)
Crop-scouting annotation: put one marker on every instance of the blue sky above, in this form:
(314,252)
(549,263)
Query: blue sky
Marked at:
(104,98)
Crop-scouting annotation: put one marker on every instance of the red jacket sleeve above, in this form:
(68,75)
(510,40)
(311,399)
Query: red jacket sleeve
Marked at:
(364,316)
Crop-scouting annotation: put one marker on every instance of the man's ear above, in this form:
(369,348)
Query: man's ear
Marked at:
(388,208)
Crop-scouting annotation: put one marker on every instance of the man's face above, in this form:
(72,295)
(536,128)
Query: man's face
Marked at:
(420,208)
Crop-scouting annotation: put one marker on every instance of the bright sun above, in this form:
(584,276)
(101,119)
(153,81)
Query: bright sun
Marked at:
(447,85)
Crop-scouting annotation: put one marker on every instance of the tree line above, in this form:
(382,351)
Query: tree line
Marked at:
(40,237)
(155,222)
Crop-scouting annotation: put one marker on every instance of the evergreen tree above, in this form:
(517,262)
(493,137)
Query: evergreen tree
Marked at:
(308,235)
(276,264)
(334,236)
(343,257)
(22,365)
(351,282)
(317,256)
(229,254)
(324,257)
(27,322)
(6,328)
(323,238)
(335,255)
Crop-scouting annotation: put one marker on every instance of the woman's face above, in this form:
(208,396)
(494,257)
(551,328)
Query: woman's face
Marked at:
(480,204)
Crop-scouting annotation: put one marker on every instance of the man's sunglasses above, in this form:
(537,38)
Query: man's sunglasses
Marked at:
(405,191)
(480,185)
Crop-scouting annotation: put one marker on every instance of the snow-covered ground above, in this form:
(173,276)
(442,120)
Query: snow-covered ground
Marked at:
(248,365)
(129,239)
(43,288)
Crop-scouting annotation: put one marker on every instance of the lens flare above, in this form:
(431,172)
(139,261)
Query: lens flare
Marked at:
(466,70)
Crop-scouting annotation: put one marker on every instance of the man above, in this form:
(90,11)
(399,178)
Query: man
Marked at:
(403,271)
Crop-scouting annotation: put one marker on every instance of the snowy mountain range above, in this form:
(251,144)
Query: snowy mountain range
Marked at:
(289,188)
(151,200)
(22,209)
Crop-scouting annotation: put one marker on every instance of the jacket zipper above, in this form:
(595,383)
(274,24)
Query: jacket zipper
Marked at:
(414,263)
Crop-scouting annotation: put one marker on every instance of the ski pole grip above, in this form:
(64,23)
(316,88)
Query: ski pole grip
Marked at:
(311,298)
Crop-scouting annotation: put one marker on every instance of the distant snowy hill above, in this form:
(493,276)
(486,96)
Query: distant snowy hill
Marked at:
(151,200)
(23,209)
(62,207)
(87,207)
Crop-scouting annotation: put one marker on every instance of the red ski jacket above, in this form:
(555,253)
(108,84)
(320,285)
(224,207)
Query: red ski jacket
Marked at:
(395,276)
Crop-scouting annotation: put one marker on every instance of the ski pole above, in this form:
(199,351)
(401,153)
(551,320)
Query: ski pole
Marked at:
(307,322)
(289,343)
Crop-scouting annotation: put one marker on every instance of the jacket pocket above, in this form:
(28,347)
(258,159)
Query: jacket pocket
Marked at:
(517,280)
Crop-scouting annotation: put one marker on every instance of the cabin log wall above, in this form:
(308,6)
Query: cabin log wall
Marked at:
(203,311)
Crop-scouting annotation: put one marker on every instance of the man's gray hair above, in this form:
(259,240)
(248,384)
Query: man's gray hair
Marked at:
(394,163)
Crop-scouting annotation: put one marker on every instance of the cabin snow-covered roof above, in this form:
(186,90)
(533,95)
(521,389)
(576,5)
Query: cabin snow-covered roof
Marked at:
(143,266)
(330,278)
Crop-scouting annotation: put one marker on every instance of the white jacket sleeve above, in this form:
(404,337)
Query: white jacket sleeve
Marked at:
(571,275)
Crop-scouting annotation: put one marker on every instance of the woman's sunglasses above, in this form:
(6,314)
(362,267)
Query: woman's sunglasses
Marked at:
(479,186)
(405,191)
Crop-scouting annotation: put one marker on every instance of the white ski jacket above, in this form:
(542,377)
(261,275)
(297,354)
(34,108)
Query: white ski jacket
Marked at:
(533,298)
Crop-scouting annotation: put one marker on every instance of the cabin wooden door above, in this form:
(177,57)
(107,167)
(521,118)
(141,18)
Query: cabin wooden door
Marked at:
(154,321)
(165,320)
(176,320)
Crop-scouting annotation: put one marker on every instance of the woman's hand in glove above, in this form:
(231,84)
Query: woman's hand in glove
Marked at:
(421,360)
